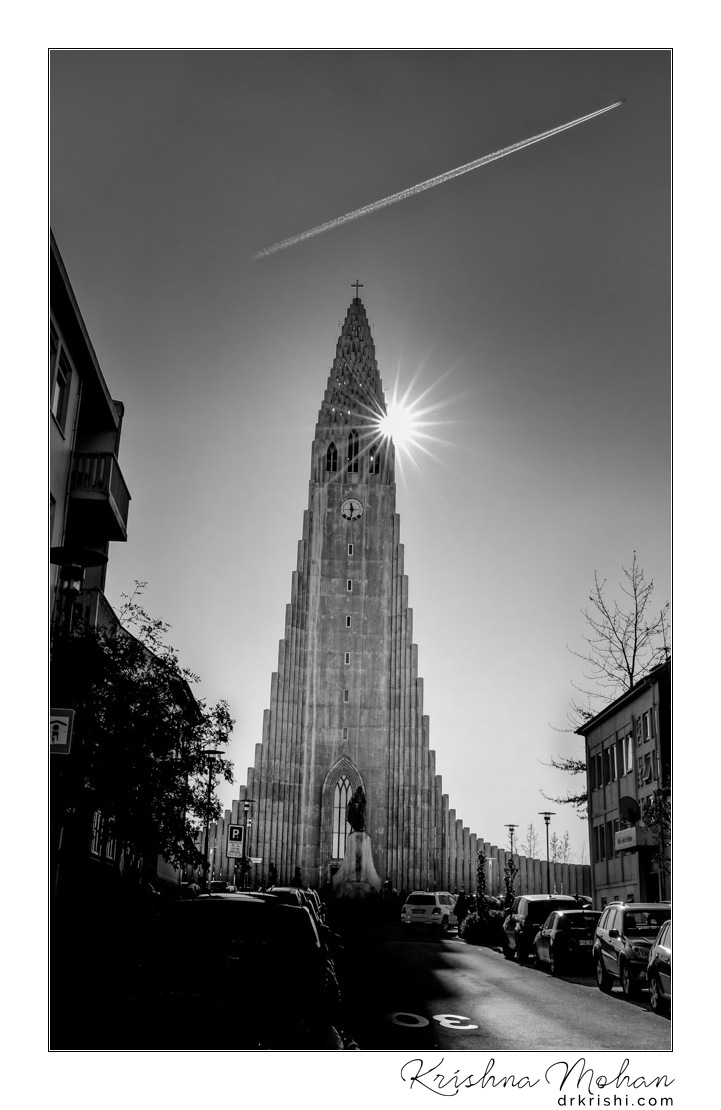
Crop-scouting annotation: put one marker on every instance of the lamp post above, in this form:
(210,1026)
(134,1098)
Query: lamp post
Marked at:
(247,822)
(547,814)
(211,754)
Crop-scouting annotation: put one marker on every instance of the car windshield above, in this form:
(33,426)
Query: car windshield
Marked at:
(538,911)
(421,900)
(645,923)
(584,923)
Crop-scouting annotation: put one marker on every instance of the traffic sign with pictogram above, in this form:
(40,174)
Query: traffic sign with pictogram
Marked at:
(61,731)
(235,841)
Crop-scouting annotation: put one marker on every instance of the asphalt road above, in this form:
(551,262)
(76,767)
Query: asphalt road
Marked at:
(419,992)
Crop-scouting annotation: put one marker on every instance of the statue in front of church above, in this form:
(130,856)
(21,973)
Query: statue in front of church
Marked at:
(357,877)
(356,813)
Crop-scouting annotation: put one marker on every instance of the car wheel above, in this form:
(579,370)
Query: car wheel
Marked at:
(602,977)
(627,984)
(654,994)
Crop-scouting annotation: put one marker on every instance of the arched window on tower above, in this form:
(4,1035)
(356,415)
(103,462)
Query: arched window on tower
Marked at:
(331,458)
(374,460)
(341,828)
(353,452)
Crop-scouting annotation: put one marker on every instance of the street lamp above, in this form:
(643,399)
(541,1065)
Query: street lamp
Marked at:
(247,822)
(547,814)
(211,754)
(511,829)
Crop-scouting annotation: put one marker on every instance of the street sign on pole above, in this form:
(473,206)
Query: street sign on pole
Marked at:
(235,842)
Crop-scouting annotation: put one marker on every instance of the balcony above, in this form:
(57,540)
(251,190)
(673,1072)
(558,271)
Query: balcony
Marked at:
(93,607)
(99,497)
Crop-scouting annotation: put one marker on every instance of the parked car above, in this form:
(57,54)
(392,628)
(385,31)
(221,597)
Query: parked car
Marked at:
(623,940)
(565,940)
(432,909)
(527,914)
(232,972)
(658,972)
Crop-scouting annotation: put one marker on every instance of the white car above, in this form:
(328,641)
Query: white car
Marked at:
(434,909)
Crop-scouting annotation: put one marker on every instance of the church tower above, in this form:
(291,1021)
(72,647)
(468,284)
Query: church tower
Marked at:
(346,703)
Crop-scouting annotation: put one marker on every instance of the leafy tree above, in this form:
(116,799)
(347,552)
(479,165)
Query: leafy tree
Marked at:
(140,735)
(656,814)
(481,885)
(509,875)
(624,642)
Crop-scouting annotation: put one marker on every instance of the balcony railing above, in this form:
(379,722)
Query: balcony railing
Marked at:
(97,481)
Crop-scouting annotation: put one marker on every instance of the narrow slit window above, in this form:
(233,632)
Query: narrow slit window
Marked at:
(348,622)
(346,658)
(350,548)
(352,451)
(349,585)
(346,695)
(345,733)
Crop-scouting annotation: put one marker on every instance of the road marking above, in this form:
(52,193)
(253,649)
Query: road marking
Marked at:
(408,1021)
(453,1021)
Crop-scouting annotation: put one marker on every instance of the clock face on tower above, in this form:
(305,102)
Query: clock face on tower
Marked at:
(351,509)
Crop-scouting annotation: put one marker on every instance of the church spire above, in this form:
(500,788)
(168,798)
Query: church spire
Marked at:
(354,393)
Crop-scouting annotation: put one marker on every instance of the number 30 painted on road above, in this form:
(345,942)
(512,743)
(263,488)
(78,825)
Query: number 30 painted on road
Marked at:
(453,1021)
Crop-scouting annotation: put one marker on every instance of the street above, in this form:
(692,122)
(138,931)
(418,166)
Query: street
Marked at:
(420,992)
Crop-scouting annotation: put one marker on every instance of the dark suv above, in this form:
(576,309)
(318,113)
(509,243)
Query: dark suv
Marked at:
(623,940)
(528,913)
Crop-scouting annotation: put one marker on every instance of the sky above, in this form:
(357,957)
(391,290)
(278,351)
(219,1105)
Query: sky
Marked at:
(527,303)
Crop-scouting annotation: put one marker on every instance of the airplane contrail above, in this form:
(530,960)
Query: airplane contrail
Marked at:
(429,184)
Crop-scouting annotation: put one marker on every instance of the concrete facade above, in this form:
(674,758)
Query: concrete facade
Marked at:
(346,704)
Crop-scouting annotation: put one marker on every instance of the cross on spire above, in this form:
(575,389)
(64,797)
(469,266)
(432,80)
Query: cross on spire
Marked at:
(356,285)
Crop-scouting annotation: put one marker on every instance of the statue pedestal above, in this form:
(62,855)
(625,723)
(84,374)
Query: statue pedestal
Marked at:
(356,877)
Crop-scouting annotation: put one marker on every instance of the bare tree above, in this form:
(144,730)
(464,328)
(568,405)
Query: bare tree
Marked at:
(625,641)
(530,845)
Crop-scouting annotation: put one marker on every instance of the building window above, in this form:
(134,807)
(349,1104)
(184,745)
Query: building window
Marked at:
(96,836)
(353,452)
(54,347)
(612,763)
(349,585)
(601,842)
(346,695)
(599,770)
(345,732)
(346,658)
(60,391)
(331,458)
(348,622)
(609,840)
(628,747)
(341,828)
(374,462)
(350,548)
